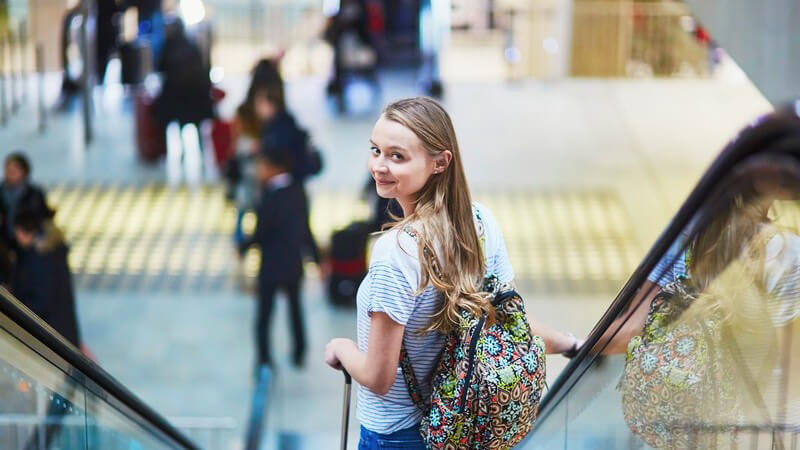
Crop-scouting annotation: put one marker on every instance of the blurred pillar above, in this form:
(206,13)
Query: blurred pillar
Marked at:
(45,19)
(88,70)
(563,35)
(3,90)
(40,87)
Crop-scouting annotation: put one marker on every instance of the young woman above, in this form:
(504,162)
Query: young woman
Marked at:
(248,122)
(411,298)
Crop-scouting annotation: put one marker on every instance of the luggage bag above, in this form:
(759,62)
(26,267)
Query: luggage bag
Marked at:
(348,263)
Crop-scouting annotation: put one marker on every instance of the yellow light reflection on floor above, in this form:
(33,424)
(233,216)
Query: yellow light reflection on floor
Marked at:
(565,237)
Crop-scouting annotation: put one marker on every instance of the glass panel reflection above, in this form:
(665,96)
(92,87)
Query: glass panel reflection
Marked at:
(110,429)
(705,354)
(42,407)
(710,365)
(44,404)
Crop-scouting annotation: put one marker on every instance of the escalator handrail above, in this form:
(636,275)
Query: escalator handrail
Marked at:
(771,130)
(41,331)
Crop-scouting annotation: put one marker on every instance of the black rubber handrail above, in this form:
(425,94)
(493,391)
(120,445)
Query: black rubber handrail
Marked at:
(778,131)
(42,332)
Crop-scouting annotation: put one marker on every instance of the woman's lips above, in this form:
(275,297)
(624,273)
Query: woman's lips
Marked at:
(383,183)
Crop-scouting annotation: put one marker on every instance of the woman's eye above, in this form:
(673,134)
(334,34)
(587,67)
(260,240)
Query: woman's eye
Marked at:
(397,156)
(375,151)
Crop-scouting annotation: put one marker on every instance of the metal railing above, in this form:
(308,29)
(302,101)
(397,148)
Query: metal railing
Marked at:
(624,38)
(259,21)
(14,70)
(208,432)
(247,30)
(21,68)
(589,38)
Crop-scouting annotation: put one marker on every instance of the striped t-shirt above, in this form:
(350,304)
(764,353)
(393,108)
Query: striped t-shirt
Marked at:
(389,287)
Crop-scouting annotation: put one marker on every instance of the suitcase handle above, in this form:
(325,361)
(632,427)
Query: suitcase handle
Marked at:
(348,382)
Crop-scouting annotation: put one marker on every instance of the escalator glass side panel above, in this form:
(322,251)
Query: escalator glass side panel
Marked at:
(47,403)
(42,406)
(109,428)
(705,351)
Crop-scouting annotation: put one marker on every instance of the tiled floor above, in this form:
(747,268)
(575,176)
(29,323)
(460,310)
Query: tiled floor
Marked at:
(582,175)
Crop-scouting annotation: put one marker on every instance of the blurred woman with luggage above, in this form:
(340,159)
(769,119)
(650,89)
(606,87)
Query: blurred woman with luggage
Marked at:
(42,279)
(240,171)
(279,131)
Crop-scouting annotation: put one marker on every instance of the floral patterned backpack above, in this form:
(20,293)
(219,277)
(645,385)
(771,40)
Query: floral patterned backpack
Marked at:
(489,380)
(676,375)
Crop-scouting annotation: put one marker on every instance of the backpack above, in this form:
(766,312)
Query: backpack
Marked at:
(308,159)
(686,381)
(676,374)
(489,380)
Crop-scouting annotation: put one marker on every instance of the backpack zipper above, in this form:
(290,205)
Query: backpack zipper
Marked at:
(473,344)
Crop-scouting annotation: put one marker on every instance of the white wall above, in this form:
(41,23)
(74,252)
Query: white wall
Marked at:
(763,39)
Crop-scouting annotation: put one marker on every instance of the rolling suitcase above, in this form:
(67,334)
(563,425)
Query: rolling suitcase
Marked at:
(151,138)
(348,263)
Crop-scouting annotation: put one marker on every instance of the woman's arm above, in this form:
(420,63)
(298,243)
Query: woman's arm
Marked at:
(376,369)
(613,341)
(554,340)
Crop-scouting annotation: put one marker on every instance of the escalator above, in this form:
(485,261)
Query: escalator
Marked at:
(51,397)
(701,347)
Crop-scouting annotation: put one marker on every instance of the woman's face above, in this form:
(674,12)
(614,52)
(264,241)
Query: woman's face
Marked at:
(263,108)
(398,161)
(13,173)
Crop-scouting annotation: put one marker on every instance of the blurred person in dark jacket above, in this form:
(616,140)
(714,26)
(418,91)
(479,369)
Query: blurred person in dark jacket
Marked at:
(280,234)
(108,31)
(352,20)
(42,279)
(17,193)
(6,265)
(186,89)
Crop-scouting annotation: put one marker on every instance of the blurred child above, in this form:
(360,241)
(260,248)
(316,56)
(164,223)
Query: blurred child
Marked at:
(280,233)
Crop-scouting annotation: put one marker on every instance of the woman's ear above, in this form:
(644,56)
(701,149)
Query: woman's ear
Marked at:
(442,161)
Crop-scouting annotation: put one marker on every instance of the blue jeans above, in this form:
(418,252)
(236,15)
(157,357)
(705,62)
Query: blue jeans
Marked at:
(408,438)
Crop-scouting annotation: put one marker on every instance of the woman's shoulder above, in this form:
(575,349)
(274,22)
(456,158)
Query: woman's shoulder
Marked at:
(784,246)
(485,221)
(482,213)
(395,251)
(395,244)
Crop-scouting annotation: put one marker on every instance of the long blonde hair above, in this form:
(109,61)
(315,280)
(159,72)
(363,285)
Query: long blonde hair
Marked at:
(443,215)
(727,259)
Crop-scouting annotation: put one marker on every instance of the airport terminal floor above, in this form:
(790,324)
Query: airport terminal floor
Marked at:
(582,175)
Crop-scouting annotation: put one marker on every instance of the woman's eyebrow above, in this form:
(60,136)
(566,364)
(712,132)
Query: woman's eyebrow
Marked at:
(389,147)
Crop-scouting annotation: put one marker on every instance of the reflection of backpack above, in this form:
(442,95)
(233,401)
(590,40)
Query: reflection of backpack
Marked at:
(489,380)
(676,376)
(311,162)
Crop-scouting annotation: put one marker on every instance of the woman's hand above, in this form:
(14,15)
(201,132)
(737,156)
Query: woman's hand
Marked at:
(331,357)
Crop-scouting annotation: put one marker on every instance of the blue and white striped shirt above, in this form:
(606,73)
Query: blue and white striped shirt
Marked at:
(389,287)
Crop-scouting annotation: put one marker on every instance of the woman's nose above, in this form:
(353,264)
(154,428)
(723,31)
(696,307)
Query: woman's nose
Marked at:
(380,166)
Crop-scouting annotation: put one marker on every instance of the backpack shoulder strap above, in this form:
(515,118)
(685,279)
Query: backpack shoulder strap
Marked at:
(410,378)
(412,384)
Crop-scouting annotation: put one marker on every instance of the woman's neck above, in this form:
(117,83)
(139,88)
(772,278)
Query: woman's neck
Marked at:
(407,206)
